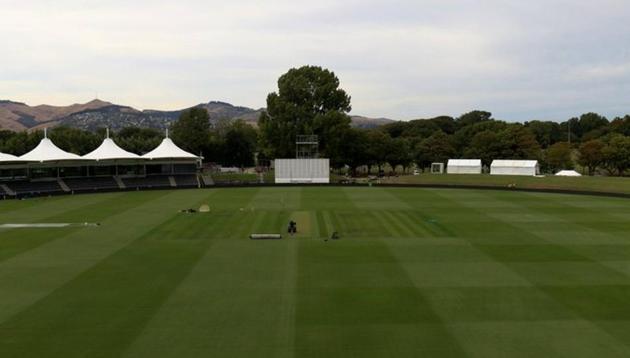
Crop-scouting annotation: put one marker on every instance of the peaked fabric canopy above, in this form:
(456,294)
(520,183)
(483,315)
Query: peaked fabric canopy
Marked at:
(47,151)
(168,150)
(8,158)
(568,173)
(109,150)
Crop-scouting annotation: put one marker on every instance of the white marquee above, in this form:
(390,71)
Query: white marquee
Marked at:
(109,150)
(168,150)
(463,166)
(47,151)
(514,167)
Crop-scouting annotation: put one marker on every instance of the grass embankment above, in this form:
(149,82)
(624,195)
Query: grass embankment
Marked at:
(585,183)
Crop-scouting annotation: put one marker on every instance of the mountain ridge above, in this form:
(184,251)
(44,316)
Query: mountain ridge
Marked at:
(19,116)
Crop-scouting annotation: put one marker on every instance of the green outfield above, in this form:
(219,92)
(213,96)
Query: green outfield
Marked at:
(417,272)
(585,183)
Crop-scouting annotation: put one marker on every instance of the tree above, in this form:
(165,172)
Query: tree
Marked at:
(436,148)
(588,126)
(190,131)
(559,156)
(485,146)
(518,142)
(21,142)
(473,117)
(445,123)
(422,128)
(621,125)
(378,143)
(617,154)
(239,145)
(395,129)
(399,153)
(591,155)
(353,150)
(74,140)
(331,128)
(546,133)
(464,136)
(308,101)
(138,140)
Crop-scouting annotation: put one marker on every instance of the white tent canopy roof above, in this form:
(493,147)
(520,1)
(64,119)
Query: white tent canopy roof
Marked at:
(514,163)
(464,162)
(47,151)
(568,173)
(8,158)
(109,150)
(168,150)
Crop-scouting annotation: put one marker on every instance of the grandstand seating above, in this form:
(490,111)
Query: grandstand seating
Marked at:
(186,180)
(107,183)
(36,187)
(4,191)
(91,184)
(148,182)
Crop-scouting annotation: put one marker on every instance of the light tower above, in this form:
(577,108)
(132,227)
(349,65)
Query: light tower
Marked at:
(306,147)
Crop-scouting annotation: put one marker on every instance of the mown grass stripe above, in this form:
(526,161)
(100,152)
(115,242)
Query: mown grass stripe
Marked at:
(418,228)
(431,224)
(36,273)
(17,241)
(136,280)
(315,232)
(387,224)
(40,208)
(399,224)
(330,228)
(339,318)
(260,217)
(321,224)
(336,223)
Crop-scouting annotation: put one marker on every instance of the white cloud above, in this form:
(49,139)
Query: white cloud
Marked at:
(402,59)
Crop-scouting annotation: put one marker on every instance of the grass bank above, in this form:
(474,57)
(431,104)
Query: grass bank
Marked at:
(585,183)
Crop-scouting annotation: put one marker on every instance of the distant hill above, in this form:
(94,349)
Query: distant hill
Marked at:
(96,114)
(368,123)
(19,116)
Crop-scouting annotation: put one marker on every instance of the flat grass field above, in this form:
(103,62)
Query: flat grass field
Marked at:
(417,272)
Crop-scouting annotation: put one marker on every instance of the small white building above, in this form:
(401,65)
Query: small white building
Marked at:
(514,167)
(568,173)
(463,166)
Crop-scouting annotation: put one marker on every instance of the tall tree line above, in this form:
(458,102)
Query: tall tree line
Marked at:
(310,100)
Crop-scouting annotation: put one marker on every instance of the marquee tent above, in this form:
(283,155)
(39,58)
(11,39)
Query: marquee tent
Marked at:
(8,158)
(463,166)
(109,150)
(47,151)
(568,173)
(168,150)
(514,167)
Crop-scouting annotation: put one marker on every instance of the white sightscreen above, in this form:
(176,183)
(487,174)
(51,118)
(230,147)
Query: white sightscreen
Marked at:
(297,171)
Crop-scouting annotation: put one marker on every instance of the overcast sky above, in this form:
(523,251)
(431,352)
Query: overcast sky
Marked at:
(403,59)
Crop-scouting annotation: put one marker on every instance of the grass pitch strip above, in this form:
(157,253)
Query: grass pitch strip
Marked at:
(417,272)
